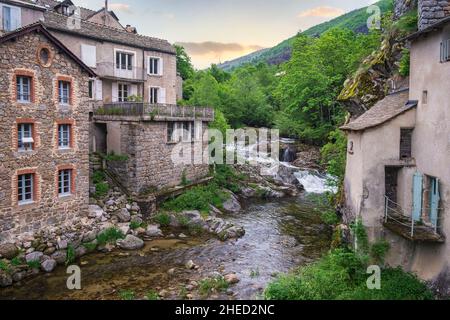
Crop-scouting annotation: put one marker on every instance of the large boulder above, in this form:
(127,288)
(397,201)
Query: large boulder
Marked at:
(153,231)
(8,251)
(232,205)
(130,243)
(60,256)
(5,280)
(34,256)
(232,232)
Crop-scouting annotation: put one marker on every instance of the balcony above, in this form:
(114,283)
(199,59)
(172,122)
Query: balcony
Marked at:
(138,111)
(115,72)
(397,221)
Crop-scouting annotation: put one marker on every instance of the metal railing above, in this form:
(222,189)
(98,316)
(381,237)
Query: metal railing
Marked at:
(110,69)
(394,212)
(155,110)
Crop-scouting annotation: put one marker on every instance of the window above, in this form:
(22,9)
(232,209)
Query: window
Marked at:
(425,97)
(406,144)
(25,137)
(64,182)
(25,188)
(180,131)
(89,55)
(351,147)
(155,66)
(91,89)
(124,61)
(123,92)
(64,136)
(23,89)
(11,18)
(64,92)
(445,51)
(154,92)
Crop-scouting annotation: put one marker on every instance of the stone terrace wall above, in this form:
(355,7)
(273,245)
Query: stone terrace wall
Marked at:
(431,11)
(48,209)
(403,6)
(150,163)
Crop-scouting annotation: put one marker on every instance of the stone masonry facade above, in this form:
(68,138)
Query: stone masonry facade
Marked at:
(21,57)
(150,166)
(431,11)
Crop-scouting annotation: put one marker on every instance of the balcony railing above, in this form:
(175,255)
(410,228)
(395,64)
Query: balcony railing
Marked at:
(399,222)
(156,112)
(109,69)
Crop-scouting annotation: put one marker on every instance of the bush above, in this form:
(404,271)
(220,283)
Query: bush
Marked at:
(71,256)
(35,264)
(404,67)
(341,275)
(206,286)
(126,295)
(4,266)
(101,189)
(116,157)
(226,177)
(162,219)
(98,176)
(379,250)
(110,235)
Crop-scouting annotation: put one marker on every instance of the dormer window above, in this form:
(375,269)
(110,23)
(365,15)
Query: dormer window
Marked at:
(11,18)
(445,51)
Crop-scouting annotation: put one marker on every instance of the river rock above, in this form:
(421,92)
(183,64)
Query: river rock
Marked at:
(154,231)
(232,232)
(19,276)
(182,236)
(95,212)
(34,256)
(5,280)
(130,243)
(231,278)
(232,205)
(90,236)
(137,220)
(124,227)
(62,244)
(8,251)
(123,215)
(48,265)
(190,265)
(248,192)
(60,256)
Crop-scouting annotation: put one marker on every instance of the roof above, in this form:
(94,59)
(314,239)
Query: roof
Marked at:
(429,29)
(387,109)
(40,28)
(58,22)
(36,5)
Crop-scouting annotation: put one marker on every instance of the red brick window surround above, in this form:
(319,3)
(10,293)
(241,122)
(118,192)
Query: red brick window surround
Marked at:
(65,134)
(25,133)
(65,180)
(27,187)
(64,89)
(24,86)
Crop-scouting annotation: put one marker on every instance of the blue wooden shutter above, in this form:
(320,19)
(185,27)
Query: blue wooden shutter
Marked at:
(434,201)
(417,196)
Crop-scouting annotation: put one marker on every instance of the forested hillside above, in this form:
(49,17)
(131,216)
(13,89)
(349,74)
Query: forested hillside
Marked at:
(355,20)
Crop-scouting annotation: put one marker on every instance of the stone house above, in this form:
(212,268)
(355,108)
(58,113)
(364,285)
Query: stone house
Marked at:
(133,99)
(398,168)
(44,125)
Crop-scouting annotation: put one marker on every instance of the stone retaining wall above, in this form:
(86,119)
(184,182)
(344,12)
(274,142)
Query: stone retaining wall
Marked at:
(431,11)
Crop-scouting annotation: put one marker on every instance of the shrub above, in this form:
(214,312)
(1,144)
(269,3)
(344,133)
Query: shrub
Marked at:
(16,261)
(116,157)
(135,225)
(110,235)
(35,264)
(378,251)
(184,179)
(90,246)
(126,295)
(162,219)
(404,67)
(208,285)
(226,177)
(4,266)
(98,176)
(101,189)
(71,256)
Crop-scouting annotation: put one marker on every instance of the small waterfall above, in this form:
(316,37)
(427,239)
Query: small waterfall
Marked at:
(314,182)
(289,155)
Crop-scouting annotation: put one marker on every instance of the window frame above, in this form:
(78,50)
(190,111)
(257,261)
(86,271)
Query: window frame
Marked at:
(122,94)
(62,138)
(20,88)
(22,189)
(152,66)
(65,182)
(152,95)
(129,60)
(62,100)
(21,146)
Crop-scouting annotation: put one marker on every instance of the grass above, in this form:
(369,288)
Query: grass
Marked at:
(163,219)
(35,264)
(152,295)
(90,246)
(341,275)
(135,225)
(127,295)
(4,266)
(101,189)
(254,274)
(71,256)
(210,285)
(98,176)
(16,261)
(116,157)
(109,236)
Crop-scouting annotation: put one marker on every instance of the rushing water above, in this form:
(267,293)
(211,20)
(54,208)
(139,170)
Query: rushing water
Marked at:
(280,236)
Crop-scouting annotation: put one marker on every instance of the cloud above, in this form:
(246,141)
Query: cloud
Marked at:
(322,12)
(121,7)
(216,48)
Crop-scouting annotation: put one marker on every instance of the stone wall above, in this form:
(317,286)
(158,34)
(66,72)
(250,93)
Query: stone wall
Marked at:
(431,11)
(403,6)
(44,111)
(150,166)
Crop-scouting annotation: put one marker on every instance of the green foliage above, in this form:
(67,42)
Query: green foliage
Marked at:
(378,251)
(127,295)
(197,198)
(135,98)
(71,256)
(35,264)
(98,176)
(404,67)
(162,219)
(341,275)
(334,156)
(90,246)
(407,23)
(4,266)
(184,64)
(184,180)
(16,261)
(209,285)
(362,240)
(226,177)
(255,274)
(220,122)
(135,225)
(152,295)
(109,236)
(101,189)
(116,157)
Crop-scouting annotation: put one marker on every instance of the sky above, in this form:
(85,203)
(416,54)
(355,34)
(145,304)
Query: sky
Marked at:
(214,31)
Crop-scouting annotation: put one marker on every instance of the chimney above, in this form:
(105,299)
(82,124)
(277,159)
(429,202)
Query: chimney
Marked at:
(432,11)
(105,12)
(131,29)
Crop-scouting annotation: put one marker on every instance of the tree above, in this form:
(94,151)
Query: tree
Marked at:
(184,64)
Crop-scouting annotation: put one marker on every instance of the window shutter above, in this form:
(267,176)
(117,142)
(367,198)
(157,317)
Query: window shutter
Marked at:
(89,55)
(162,95)
(98,90)
(198,130)
(161,66)
(16,19)
(115,92)
(134,90)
